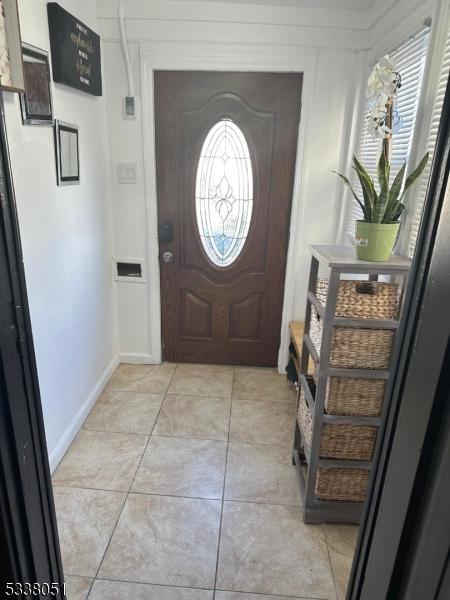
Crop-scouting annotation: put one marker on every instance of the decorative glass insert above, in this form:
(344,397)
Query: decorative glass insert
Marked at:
(224,193)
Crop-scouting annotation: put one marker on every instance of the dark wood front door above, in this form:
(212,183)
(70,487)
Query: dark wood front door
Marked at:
(225,156)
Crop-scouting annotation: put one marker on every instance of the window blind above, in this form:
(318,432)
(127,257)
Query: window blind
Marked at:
(410,60)
(431,143)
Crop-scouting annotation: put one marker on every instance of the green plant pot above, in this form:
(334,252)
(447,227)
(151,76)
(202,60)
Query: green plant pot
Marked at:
(375,241)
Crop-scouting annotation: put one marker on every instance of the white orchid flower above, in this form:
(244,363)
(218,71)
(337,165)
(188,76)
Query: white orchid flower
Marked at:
(387,64)
(382,86)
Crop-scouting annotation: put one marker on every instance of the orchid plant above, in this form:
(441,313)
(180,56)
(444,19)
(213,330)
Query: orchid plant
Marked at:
(385,205)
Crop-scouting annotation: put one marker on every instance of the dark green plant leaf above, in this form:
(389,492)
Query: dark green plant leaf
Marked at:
(399,208)
(414,176)
(347,181)
(383,172)
(381,203)
(367,186)
(394,193)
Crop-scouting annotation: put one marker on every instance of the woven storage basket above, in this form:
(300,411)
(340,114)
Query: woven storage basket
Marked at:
(346,442)
(354,348)
(362,299)
(342,484)
(304,419)
(355,397)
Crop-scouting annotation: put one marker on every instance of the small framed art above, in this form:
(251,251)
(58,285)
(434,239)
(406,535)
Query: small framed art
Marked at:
(67,153)
(36,102)
(11,68)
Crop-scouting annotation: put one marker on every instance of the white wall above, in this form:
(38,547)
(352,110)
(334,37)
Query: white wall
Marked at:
(66,238)
(280,30)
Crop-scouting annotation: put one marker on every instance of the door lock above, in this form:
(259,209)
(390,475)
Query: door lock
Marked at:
(167,256)
(166,232)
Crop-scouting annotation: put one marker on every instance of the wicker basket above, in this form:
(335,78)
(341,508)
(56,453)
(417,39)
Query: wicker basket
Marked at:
(354,348)
(334,483)
(342,484)
(304,419)
(346,442)
(354,397)
(362,299)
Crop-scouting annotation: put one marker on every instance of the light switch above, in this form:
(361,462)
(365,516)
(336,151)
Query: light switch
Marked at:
(126,172)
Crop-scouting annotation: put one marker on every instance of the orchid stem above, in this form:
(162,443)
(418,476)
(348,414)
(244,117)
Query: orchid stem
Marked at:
(387,141)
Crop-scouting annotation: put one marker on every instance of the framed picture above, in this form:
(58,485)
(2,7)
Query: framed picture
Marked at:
(11,68)
(36,102)
(67,153)
(75,50)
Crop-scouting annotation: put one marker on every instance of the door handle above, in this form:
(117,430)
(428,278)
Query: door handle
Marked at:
(167,256)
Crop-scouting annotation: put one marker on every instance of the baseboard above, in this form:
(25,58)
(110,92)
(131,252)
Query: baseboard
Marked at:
(137,358)
(75,425)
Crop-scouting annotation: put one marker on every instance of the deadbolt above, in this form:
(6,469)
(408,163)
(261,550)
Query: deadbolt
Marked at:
(167,257)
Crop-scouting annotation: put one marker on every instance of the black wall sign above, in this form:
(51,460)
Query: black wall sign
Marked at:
(75,51)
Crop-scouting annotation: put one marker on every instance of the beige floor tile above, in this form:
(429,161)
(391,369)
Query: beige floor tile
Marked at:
(268,549)
(126,412)
(182,467)
(201,380)
(77,588)
(194,416)
(261,384)
(142,378)
(341,540)
(243,596)
(86,519)
(101,460)
(165,540)
(262,422)
(261,474)
(116,590)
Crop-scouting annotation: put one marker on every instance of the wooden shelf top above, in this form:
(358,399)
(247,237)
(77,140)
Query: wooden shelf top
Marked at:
(296,328)
(344,257)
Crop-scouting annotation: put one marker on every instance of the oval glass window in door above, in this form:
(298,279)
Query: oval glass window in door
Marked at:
(224,193)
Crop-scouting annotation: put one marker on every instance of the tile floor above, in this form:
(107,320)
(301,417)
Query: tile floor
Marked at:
(180,486)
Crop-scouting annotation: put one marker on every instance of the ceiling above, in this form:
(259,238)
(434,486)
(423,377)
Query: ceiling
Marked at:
(327,4)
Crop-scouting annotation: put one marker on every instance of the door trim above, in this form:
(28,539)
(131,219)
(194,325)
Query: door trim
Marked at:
(208,56)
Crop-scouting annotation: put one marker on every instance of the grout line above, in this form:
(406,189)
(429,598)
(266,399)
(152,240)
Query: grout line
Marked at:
(167,585)
(200,396)
(187,587)
(167,393)
(116,432)
(188,437)
(115,390)
(336,591)
(140,493)
(273,595)
(128,493)
(223,489)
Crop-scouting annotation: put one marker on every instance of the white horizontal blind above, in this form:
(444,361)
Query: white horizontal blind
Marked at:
(431,143)
(368,153)
(410,60)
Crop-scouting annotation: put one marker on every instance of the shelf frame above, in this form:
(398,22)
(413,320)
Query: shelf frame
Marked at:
(338,260)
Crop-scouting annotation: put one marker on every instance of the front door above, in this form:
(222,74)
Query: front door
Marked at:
(225,157)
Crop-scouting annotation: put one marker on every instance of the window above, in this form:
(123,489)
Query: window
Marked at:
(224,193)
(410,60)
(431,143)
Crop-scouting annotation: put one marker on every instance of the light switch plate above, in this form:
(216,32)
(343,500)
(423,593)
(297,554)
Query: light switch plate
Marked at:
(126,172)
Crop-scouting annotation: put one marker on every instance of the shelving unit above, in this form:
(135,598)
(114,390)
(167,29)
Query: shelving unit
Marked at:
(337,260)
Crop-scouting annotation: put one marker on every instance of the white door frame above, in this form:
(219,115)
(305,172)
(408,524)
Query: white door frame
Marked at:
(211,56)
